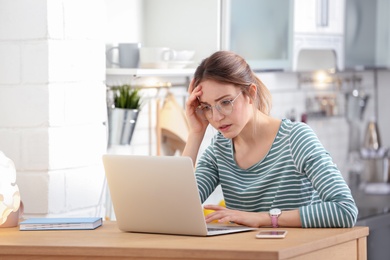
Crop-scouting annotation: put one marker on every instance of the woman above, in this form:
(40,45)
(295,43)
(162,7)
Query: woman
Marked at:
(272,172)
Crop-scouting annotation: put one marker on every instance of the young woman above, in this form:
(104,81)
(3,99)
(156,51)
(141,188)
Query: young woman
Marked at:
(272,172)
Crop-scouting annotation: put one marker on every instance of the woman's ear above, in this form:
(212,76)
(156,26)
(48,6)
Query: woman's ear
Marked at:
(252,90)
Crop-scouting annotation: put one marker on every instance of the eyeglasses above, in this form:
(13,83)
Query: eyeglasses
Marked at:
(225,107)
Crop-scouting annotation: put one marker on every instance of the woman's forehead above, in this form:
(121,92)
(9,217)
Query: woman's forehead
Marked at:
(215,87)
(212,90)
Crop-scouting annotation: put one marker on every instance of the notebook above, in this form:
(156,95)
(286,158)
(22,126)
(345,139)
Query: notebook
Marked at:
(158,194)
(61,223)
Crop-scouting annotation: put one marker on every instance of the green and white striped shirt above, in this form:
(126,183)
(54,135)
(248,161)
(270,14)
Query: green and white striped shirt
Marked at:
(297,173)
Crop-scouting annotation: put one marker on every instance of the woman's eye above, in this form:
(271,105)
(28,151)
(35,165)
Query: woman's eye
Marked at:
(225,102)
(206,108)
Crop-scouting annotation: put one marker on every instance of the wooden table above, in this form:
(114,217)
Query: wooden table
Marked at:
(108,242)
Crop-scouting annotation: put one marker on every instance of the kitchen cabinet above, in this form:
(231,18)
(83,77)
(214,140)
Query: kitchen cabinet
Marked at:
(182,25)
(367,34)
(260,31)
(271,34)
(319,25)
(319,16)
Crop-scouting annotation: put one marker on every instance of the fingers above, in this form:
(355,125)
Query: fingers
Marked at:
(214,207)
(191,87)
(194,90)
(197,124)
(222,216)
(220,213)
(194,93)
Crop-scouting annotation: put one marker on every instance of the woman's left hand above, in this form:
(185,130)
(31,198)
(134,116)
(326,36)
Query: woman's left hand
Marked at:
(224,215)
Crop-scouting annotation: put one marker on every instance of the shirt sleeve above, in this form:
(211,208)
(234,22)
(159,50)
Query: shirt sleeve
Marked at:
(206,173)
(337,207)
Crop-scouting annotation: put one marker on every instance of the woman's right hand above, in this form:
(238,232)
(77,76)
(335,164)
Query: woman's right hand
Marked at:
(197,124)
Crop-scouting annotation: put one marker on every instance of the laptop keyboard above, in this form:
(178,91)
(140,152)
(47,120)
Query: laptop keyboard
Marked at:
(216,229)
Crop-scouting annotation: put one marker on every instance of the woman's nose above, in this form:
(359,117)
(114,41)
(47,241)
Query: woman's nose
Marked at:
(217,115)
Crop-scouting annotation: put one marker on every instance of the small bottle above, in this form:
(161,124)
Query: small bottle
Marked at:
(372,140)
(304,118)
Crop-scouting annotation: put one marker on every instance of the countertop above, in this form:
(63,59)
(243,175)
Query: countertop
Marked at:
(108,242)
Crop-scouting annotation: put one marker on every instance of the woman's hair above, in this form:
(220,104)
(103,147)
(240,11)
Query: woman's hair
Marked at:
(229,68)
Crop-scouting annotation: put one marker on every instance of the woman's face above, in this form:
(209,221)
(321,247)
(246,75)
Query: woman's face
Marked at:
(214,93)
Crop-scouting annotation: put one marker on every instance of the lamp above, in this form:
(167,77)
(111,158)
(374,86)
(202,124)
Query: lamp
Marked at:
(10,204)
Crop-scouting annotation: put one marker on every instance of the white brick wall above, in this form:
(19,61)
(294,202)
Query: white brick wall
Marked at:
(52,102)
(34,62)
(24,106)
(63,192)
(23,20)
(34,187)
(75,60)
(34,151)
(9,63)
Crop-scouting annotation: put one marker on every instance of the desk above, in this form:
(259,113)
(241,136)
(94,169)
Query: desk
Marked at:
(108,242)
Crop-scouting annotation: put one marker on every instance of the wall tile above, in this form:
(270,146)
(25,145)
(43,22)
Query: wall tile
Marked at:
(10,72)
(27,20)
(10,144)
(55,18)
(34,65)
(34,149)
(34,191)
(24,106)
(57,104)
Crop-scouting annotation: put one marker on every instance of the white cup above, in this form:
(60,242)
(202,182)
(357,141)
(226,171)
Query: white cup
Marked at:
(156,58)
(128,55)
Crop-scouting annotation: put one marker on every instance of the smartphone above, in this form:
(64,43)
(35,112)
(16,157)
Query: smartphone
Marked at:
(271,234)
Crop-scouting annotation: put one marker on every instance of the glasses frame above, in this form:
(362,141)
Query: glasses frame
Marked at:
(217,106)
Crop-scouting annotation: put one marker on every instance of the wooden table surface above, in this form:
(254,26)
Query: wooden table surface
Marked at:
(109,242)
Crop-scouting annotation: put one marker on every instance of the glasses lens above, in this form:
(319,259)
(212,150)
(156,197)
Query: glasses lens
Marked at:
(201,111)
(225,107)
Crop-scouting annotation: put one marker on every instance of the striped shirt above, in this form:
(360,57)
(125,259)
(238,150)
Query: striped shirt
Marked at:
(297,173)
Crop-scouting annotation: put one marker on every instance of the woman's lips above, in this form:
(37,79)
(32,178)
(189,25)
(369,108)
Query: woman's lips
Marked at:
(224,128)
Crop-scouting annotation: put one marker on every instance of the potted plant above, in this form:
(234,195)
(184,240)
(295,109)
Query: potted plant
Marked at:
(126,97)
(123,114)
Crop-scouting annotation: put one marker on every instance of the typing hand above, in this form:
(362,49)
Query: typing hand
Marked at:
(224,215)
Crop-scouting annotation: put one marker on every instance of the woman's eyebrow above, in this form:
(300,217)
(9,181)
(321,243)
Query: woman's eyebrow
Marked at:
(216,100)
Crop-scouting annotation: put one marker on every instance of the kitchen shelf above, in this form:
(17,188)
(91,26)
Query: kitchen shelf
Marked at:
(151,72)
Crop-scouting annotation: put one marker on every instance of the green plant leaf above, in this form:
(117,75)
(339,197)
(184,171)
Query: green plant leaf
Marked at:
(125,96)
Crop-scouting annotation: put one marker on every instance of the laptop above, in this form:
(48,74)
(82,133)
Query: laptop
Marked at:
(158,194)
